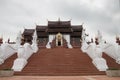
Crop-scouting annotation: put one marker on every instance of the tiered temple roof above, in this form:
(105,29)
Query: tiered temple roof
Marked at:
(59,23)
(54,27)
(77,30)
(28,31)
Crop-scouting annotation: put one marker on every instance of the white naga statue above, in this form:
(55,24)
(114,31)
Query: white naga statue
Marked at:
(34,42)
(84,42)
(99,36)
(18,40)
(83,35)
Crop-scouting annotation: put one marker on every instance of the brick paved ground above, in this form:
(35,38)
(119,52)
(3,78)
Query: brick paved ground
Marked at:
(60,78)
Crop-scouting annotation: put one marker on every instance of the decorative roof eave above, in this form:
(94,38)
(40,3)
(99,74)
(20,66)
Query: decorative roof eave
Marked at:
(77,27)
(60,30)
(28,31)
(59,23)
(41,28)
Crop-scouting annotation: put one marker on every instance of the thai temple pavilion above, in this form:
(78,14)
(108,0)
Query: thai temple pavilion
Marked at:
(56,33)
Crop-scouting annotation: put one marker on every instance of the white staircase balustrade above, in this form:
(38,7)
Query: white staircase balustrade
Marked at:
(84,47)
(118,53)
(34,42)
(24,53)
(19,64)
(18,40)
(84,42)
(113,51)
(100,63)
(34,47)
(91,51)
(95,53)
(69,45)
(21,52)
(1,54)
(67,38)
(48,46)
(28,51)
(51,38)
(6,51)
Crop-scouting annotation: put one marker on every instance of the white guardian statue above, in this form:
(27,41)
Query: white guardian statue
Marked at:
(34,42)
(18,40)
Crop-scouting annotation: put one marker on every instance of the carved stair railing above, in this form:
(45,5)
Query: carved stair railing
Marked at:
(113,51)
(95,53)
(24,53)
(6,51)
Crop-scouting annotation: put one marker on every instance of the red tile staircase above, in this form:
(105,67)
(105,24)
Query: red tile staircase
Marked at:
(9,62)
(59,61)
(111,62)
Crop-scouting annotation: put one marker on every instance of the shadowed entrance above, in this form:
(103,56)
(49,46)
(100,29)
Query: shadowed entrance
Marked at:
(59,39)
(59,43)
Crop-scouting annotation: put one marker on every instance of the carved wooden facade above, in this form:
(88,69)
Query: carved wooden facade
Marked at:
(55,27)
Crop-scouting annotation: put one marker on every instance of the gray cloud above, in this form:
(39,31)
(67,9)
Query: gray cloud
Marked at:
(96,14)
(97,18)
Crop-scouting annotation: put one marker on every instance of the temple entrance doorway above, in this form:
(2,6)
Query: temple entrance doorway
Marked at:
(59,39)
(59,43)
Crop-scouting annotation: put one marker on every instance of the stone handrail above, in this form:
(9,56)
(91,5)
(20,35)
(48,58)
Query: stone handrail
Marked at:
(95,53)
(6,50)
(24,53)
(113,51)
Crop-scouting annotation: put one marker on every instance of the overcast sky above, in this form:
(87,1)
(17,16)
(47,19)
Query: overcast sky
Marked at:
(103,15)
